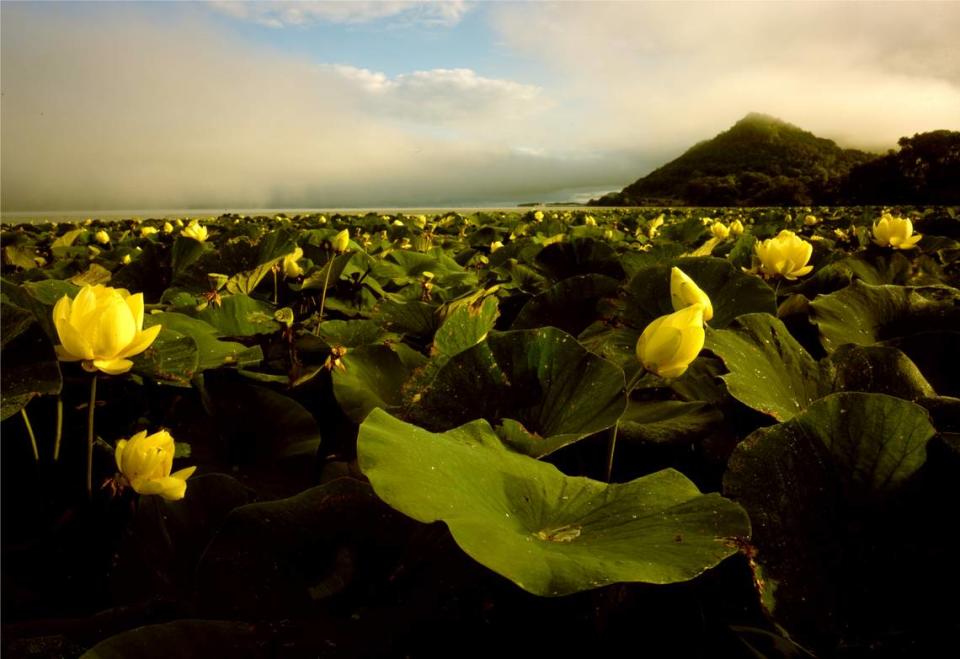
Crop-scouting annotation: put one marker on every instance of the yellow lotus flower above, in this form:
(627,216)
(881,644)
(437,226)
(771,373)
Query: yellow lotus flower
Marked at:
(145,463)
(126,259)
(167,227)
(290,267)
(811,220)
(785,256)
(102,237)
(538,216)
(495,245)
(654,227)
(670,343)
(590,221)
(196,231)
(719,230)
(341,241)
(685,292)
(101,328)
(736,227)
(149,231)
(895,232)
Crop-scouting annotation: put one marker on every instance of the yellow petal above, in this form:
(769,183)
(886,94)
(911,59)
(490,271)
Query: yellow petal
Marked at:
(118,454)
(113,366)
(114,330)
(135,303)
(141,341)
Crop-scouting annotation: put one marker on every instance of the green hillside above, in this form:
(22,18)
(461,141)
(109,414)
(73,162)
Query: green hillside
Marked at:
(761,160)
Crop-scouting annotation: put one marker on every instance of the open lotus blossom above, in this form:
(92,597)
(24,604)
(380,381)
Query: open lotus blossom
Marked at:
(148,231)
(736,227)
(895,232)
(685,292)
(291,268)
(167,227)
(785,256)
(102,327)
(145,463)
(196,231)
(670,343)
(102,237)
(495,245)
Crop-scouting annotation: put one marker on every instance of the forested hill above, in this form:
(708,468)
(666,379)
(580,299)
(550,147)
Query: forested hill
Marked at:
(760,161)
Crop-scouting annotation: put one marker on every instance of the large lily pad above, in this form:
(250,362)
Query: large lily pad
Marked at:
(822,490)
(732,292)
(541,386)
(189,639)
(769,370)
(549,533)
(570,305)
(211,352)
(370,377)
(240,315)
(667,421)
(30,366)
(864,314)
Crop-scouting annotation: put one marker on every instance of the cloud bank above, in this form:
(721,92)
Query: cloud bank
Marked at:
(111,108)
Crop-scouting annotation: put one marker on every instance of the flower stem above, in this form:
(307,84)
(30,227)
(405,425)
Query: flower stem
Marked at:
(323,295)
(275,296)
(611,447)
(33,438)
(93,403)
(59,433)
(612,444)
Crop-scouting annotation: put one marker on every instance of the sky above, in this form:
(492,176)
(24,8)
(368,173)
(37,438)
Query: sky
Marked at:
(389,104)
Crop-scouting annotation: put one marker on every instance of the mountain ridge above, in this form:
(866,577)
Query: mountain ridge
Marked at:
(760,160)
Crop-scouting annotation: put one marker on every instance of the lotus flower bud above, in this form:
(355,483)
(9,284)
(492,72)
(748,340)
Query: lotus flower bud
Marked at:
(685,292)
(670,343)
(341,241)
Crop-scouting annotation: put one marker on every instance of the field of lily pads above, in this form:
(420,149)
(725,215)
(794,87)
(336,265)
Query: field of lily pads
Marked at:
(685,432)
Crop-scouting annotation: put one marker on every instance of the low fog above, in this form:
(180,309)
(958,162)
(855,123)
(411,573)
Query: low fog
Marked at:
(108,109)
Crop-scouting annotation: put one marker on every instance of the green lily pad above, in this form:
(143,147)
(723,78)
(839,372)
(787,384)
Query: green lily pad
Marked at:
(667,421)
(549,533)
(30,366)
(189,639)
(351,333)
(542,379)
(211,351)
(372,376)
(465,327)
(732,292)
(822,491)
(570,305)
(864,314)
(240,315)
(171,358)
(769,370)
(579,257)
(877,369)
(282,558)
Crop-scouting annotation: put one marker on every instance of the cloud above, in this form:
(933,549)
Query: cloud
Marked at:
(672,73)
(281,13)
(444,96)
(117,111)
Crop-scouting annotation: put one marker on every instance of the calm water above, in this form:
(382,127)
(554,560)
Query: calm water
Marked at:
(146,214)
